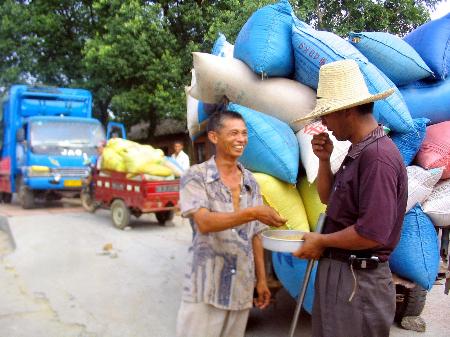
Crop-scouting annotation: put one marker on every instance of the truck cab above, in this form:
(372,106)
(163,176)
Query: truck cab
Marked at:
(46,134)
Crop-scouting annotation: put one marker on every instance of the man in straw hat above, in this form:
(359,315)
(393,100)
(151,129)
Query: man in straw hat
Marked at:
(366,198)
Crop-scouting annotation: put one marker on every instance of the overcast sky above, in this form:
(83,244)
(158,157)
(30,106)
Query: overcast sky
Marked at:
(442,9)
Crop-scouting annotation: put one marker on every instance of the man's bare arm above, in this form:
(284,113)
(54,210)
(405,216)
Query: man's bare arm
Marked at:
(218,221)
(324,180)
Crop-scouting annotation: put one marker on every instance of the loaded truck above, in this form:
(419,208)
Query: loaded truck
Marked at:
(46,134)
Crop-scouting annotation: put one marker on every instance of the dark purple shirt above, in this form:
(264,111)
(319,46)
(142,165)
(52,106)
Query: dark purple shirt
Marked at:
(370,191)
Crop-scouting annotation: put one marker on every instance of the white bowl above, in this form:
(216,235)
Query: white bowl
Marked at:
(273,240)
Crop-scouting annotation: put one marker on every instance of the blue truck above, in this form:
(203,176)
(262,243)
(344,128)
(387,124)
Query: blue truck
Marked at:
(46,136)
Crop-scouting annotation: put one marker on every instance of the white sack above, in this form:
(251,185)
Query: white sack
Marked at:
(309,159)
(420,184)
(282,98)
(437,206)
(194,126)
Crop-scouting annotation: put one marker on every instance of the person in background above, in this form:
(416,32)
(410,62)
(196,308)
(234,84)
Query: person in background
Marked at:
(180,156)
(366,202)
(225,260)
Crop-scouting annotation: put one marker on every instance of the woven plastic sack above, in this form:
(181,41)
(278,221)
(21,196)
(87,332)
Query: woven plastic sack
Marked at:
(435,149)
(313,48)
(222,47)
(112,160)
(285,199)
(410,142)
(432,42)
(291,272)
(197,118)
(282,98)
(264,42)
(393,56)
(420,184)
(428,99)
(311,201)
(272,147)
(309,160)
(437,206)
(416,256)
(145,159)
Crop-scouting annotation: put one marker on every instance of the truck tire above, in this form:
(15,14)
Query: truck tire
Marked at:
(410,302)
(165,216)
(26,197)
(120,214)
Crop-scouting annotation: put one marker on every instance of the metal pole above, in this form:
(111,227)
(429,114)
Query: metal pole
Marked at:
(304,287)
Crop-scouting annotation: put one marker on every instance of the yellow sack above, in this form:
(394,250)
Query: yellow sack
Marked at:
(139,158)
(112,161)
(311,200)
(119,144)
(285,199)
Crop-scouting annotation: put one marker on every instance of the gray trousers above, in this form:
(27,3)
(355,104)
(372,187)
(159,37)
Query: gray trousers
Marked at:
(369,314)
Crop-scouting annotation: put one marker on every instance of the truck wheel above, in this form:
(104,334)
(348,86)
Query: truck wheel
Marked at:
(26,197)
(120,214)
(410,302)
(165,216)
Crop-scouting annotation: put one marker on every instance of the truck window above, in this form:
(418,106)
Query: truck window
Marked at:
(65,137)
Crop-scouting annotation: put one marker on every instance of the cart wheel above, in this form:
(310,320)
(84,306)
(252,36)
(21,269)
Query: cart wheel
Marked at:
(165,216)
(7,197)
(410,302)
(87,201)
(120,214)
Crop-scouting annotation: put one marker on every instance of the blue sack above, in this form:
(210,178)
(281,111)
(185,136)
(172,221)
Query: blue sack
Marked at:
(313,48)
(428,99)
(272,146)
(222,47)
(432,42)
(393,56)
(416,256)
(409,143)
(291,272)
(264,42)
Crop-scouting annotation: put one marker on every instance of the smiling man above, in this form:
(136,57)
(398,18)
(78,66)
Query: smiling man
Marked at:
(225,261)
(366,202)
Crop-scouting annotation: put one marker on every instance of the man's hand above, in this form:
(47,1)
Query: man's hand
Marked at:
(268,216)
(322,146)
(312,247)
(263,299)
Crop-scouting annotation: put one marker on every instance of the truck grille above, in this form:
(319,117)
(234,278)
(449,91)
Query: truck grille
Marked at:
(72,172)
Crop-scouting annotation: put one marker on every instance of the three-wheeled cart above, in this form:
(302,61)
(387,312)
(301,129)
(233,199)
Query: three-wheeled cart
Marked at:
(126,197)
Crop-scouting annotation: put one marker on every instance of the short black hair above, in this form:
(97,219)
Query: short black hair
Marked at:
(366,109)
(215,122)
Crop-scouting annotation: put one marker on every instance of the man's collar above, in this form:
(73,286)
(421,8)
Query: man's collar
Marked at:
(356,149)
(212,173)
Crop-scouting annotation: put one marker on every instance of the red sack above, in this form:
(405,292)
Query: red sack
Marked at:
(435,150)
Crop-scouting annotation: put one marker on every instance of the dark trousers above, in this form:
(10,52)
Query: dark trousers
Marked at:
(369,314)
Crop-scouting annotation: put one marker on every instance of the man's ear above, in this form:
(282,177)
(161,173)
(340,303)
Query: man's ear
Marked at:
(212,136)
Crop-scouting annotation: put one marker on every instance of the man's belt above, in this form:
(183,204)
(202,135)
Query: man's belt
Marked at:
(357,259)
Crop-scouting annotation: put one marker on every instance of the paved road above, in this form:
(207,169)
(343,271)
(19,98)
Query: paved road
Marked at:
(60,282)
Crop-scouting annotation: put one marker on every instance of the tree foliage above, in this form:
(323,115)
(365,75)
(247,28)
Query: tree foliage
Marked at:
(135,55)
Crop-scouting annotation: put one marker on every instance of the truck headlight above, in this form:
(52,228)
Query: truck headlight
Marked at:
(37,170)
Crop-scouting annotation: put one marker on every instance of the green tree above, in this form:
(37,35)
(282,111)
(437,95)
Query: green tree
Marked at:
(135,55)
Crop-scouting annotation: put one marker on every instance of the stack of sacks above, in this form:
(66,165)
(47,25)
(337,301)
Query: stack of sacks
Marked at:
(198,111)
(420,184)
(313,48)
(431,99)
(125,156)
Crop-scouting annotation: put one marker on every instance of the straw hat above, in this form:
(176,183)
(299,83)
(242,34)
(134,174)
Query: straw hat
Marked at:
(341,86)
